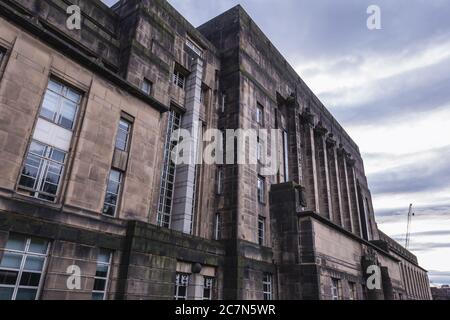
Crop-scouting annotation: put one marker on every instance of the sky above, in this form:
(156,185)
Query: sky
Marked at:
(389,88)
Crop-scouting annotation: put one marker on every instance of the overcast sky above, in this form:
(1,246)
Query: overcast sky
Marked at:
(389,88)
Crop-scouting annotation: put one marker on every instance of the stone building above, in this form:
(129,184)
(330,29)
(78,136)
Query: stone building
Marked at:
(92,207)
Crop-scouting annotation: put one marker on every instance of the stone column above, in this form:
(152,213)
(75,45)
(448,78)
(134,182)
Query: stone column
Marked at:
(184,197)
(356,214)
(336,193)
(325,205)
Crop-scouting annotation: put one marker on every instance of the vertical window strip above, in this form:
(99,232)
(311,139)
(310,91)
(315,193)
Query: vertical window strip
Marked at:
(123,135)
(335,289)
(286,156)
(261,190)
(146,86)
(168,173)
(218,227)
(179,79)
(22,267)
(261,230)
(102,272)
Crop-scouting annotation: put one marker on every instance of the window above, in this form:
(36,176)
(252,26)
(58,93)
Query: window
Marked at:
(146,86)
(261,230)
(220,181)
(22,266)
(179,79)
(123,135)
(259,114)
(218,227)
(168,172)
(268,286)
(285,156)
(112,193)
(60,104)
(335,289)
(261,190)
(104,259)
(208,287)
(42,171)
(181,285)
(2,55)
(258,150)
(352,291)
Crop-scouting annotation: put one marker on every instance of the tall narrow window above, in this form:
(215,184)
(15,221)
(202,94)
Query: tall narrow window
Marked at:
(123,135)
(261,190)
(44,163)
(218,227)
(2,55)
(268,286)
(335,289)
(220,181)
(42,171)
(179,78)
(285,156)
(260,114)
(181,286)
(102,274)
(22,267)
(146,86)
(112,193)
(208,288)
(352,290)
(168,172)
(258,150)
(261,230)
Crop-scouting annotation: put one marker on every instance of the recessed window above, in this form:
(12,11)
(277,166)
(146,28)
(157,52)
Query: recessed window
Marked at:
(285,156)
(21,267)
(194,47)
(146,86)
(60,104)
(123,134)
(352,290)
(218,227)
(335,289)
(179,78)
(261,231)
(260,114)
(181,286)
(208,288)
(261,190)
(42,171)
(2,55)
(220,181)
(102,274)
(259,148)
(268,286)
(112,193)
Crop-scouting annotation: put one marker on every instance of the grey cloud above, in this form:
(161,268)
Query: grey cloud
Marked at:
(401,237)
(427,246)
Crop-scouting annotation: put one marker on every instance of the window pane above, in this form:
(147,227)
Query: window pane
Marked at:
(38,246)
(6,293)
(99,284)
(11,260)
(30,279)
(58,156)
(8,277)
(104,256)
(73,95)
(34,263)
(37,148)
(26,294)
(109,210)
(97,296)
(115,175)
(68,112)
(16,242)
(102,271)
(50,105)
(55,86)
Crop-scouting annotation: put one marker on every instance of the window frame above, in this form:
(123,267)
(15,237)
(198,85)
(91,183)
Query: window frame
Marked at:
(261,189)
(335,289)
(260,114)
(261,230)
(106,279)
(118,195)
(179,78)
(127,134)
(25,253)
(352,289)
(209,284)
(218,226)
(149,84)
(220,181)
(45,161)
(179,283)
(268,286)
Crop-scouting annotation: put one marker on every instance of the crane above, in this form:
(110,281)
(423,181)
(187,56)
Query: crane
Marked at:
(408,226)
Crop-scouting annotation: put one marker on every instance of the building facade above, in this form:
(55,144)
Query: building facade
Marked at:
(93,207)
